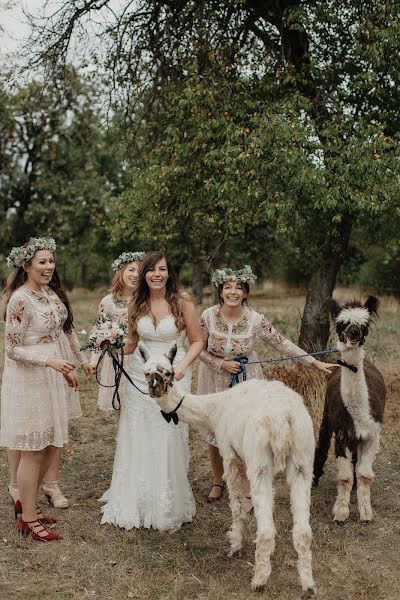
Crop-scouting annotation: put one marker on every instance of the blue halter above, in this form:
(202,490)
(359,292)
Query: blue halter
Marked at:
(235,378)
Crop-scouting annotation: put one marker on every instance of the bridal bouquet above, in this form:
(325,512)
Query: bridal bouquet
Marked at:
(106,335)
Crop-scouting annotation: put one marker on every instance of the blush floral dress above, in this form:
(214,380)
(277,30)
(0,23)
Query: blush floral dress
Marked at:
(115,310)
(36,401)
(223,340)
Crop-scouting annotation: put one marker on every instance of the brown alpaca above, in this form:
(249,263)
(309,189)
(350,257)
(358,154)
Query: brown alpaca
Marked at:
(354,405)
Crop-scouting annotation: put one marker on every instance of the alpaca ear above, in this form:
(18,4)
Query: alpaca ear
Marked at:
(172,352)
(171,381)
(333,307)
(145,354)
(372,305)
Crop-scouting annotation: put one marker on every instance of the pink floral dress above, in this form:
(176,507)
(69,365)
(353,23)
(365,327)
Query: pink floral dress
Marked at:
(114,310)
(227,340)
(36,402)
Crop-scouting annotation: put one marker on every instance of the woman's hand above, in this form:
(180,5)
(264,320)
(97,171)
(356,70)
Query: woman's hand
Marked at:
(89,369)
(231,366)
(179,371)
(326,367)
(72,381)
(129,346)
(60,365)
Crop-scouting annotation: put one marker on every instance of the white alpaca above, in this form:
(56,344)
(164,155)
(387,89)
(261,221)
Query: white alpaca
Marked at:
(265,425)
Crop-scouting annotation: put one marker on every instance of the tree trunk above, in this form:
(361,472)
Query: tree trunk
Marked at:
(314,331)
(197,280)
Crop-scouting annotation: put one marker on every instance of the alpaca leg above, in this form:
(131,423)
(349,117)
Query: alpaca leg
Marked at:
(322,450)
(344,466)
(234,480)
(299,481)
(367,451)
(263,501)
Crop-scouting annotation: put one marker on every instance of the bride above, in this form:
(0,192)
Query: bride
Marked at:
(149,486)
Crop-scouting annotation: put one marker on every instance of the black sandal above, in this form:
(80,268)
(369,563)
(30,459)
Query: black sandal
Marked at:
(209,498)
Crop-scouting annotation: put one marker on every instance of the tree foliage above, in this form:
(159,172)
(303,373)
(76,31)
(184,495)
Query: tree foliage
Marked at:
(59,168)
(276,114)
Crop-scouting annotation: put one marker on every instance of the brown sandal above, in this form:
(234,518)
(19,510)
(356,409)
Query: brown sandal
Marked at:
(211,499)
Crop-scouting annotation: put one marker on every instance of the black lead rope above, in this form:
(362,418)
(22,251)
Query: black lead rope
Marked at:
(118,372)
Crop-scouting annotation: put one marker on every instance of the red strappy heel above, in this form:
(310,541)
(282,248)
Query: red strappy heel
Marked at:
(24,527)
(45,520)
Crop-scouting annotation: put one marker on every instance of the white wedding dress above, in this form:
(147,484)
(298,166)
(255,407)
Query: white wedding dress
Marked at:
(149,486)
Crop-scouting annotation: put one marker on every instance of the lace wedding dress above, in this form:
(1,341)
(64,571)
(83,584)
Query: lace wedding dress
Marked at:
(149,486)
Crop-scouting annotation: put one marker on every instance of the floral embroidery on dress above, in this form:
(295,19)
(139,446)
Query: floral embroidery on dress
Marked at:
(16,313)
(217,344)
(220,324)
(13,339)
(241,326)
(46,339)
(241,346)
(50,319)
(39,296)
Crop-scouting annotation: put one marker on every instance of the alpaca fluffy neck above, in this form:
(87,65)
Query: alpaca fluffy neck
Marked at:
(194,409)
(354,390)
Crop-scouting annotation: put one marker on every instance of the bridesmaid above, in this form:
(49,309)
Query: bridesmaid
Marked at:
(41,350)
(114,306)
(230,329)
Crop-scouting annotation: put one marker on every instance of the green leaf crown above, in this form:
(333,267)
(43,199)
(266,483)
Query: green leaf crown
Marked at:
(244,275)
(20,254)
(127,257)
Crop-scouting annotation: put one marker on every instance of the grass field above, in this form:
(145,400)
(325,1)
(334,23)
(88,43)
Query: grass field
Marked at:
(353,561)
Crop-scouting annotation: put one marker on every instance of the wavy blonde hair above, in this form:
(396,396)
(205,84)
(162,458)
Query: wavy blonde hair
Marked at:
(140,304)
(117,284)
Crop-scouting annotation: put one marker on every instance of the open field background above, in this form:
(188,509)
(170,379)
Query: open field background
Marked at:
(352,561)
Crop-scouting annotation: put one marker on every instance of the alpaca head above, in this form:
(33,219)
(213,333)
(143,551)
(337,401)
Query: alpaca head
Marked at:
(158,369)
(352,321)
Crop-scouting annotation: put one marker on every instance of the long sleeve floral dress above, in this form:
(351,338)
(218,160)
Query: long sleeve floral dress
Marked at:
(36,401)
(223,340)
(115,310)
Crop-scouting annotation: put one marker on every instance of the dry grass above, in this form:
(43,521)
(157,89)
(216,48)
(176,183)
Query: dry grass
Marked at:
(353,561)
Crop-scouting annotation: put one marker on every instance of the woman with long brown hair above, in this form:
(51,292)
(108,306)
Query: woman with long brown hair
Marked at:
(41,353)
(114,307)
(149,486)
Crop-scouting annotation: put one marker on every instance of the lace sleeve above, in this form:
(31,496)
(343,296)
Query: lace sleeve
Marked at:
(17,322)
(75,346)
(267,332)
(206,357)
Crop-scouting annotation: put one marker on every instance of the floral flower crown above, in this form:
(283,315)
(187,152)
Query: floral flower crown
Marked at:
(127,257)
(244,275)
(20,254)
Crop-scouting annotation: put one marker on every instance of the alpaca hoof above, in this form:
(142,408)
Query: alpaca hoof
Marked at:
(232,551)
(258,584)
(366,515)
(341,513)
(308,592)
